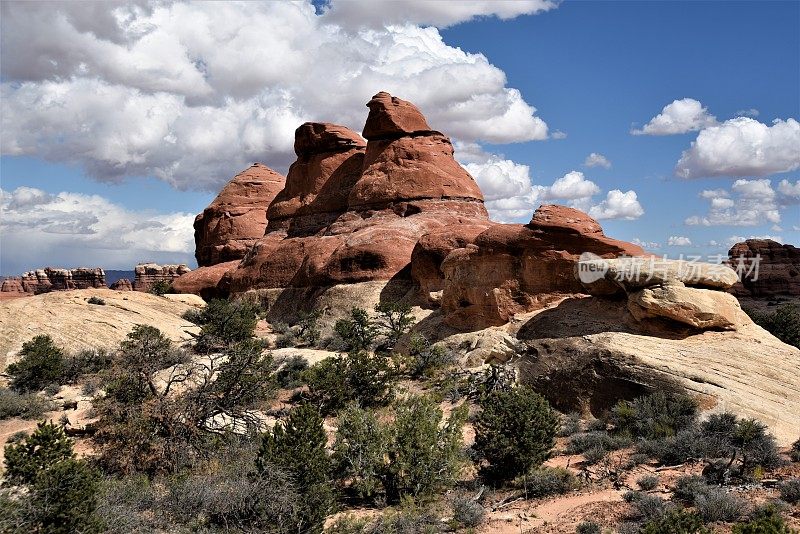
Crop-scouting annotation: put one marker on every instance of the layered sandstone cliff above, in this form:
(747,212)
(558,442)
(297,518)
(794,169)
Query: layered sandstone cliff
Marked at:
(55,279)
(149,274)
(767,268)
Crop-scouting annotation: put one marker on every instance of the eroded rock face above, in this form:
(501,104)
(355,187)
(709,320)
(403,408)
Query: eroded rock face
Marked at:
(352,212)
(513,268)
(699,308)
(203,281)
(55,279)
(148,274)
(123,284)
(237,217)
(777,272)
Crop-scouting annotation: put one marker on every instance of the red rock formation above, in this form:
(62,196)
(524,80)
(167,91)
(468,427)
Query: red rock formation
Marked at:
(237,217)
(54,279)
(148,274)
(203,281)
(349,215)
(776,273)
(123,284)
(513,268)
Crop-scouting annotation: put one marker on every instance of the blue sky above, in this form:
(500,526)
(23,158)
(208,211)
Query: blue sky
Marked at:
(122,127)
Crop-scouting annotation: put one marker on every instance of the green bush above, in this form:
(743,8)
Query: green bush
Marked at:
(161,287)
(358,332)
(675,521)
(588,527)
(783,323)
(85,362)
(297,445)
(359,451)
(225,322)
(545,481)
(583,442)
(41,363)
(514,432)
(360,377)
(649,507)
(96,300)
(790,491)
(47,446)
(424,358)
(654,416)
(467,512)
(688,487)
(766,520)
(24,405)
(290,375)
(570,424)
(394,320)
(647,482)
(718,505)
(794,452)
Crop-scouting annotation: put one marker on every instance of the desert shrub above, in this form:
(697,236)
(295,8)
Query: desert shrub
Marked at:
(570,424)
(224,322)
(545,481)
(290,375)
(757,447)
(308,327)
(716,504)
(647,482)
(194,316)
(783,323)
(96,300)
(358,332)
(83,363)
(514,432)
(675,449)
(394,319)
(297,445)
(688,487)
(45,447)
(410,518)
(126,504)
(424,450)
(598,440)
(675,521)
(467,512)
(649,507)
(359,450)
(60,494)
(632,496)
(765,520)
(790,491)
(588,527)
(161,287)
(231,498)
(794,452)
(41,363)
(360,377)
(414,454)
(654,416)
(424,358)
(594,454)
(24,405)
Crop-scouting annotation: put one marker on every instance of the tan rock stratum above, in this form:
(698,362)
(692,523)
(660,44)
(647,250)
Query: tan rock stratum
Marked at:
(74,324)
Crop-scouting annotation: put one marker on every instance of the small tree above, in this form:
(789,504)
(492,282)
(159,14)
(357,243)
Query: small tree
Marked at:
(394,320)
(360,376)
(161,287)
(298,446)
(359,450)
(224,322)
(41,363)
(47,446)
(358,332)
(308,327)
(515,432)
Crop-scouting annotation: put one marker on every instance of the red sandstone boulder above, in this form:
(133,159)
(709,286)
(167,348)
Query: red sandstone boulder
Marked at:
(329,162)
(203,281)
(123,284)
(391,117)
(776,271)
(514,268)
(237,217)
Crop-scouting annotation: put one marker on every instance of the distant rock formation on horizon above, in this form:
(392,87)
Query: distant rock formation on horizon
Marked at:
(777,272)
(149,274)
(54,279)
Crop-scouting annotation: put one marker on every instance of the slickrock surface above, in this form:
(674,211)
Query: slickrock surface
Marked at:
(75,324)
(236,218)
(148,274)
(778,271)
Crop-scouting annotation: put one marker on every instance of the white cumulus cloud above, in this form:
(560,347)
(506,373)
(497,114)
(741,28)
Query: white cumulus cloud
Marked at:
(191,91)
(359,13)
(748,203)
(742,147)
(678,117)
(86,230)
(618,205)
(678,241)
(597,160)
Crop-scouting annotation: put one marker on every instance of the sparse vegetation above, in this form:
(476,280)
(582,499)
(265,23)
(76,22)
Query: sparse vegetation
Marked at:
(545,481)
(647,482)
(790,491)
(394,320)
(467,512)
(96,300)
(223,322)
(715,504)
(424,359)
(766,520)
(514,432)
(24,405)
(41,363)
(675,521)
(291,372)
(794,452)
(161,287)
(654,416)
(783,323)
